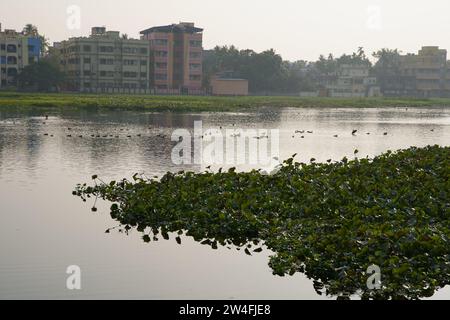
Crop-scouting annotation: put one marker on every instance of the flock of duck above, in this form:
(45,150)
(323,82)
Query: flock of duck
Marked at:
(354,132)
(233,135)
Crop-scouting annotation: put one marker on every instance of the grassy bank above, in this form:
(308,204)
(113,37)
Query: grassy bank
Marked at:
(193,103)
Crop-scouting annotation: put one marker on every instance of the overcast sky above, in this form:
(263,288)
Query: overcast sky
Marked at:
(296,29)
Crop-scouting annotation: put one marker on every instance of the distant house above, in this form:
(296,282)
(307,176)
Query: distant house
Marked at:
(226,84)
(353,81)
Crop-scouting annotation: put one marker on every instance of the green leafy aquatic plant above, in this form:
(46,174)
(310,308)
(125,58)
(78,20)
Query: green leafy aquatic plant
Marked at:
(330,221)
(76,101)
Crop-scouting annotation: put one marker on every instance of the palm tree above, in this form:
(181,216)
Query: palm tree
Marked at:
(124,36)
(45,44)
(30,30)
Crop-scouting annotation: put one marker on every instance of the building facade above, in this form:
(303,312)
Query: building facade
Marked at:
(176,57)
(428,72)
(352,81)
(106,62)
(16,52)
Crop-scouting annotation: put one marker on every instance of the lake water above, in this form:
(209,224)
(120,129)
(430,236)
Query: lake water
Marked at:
(44,229)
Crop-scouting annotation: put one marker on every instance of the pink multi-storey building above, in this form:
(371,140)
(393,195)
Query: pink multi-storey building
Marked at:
(176,57)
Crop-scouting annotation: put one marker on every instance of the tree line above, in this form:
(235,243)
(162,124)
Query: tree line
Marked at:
(268,72)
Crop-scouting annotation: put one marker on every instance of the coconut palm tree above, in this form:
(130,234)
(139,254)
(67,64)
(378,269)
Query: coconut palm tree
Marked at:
(45,44)
(30,30)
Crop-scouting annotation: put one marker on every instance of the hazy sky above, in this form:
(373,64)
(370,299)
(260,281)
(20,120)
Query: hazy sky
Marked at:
(294,28)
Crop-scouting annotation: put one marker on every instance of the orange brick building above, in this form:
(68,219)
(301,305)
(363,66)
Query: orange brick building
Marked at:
(176,57)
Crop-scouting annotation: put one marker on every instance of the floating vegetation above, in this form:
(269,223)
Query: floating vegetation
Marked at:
(58,101)
(330,221)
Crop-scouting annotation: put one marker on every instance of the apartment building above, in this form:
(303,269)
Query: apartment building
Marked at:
(428,71)
(176,57)
(17,50)
(352,80)
(106,62)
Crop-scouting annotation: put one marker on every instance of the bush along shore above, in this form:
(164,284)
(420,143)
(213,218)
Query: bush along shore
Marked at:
(42,101)
(330,221)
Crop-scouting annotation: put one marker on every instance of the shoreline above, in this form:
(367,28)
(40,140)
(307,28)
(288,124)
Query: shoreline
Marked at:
(55,101)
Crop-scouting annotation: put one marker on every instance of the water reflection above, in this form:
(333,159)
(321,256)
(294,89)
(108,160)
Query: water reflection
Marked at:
(43,229)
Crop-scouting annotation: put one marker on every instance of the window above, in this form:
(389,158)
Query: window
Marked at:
(130,62)
(130,50)
(161,76)
(11,48)
(143,74)
(74,49)
(87,48)
(107,61)
(195,77)
(160,42)
(195,55)
(87,72)
(143,62)
(2,46)
(129,74)
(195,43)
(194,66)
(12,60)
(160,53)
(106,49)
(87,84)
(161,65)
(3,60)
(143,50)
(12,72)
(130,85)
(106,85)
(106,73)
(87,60)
